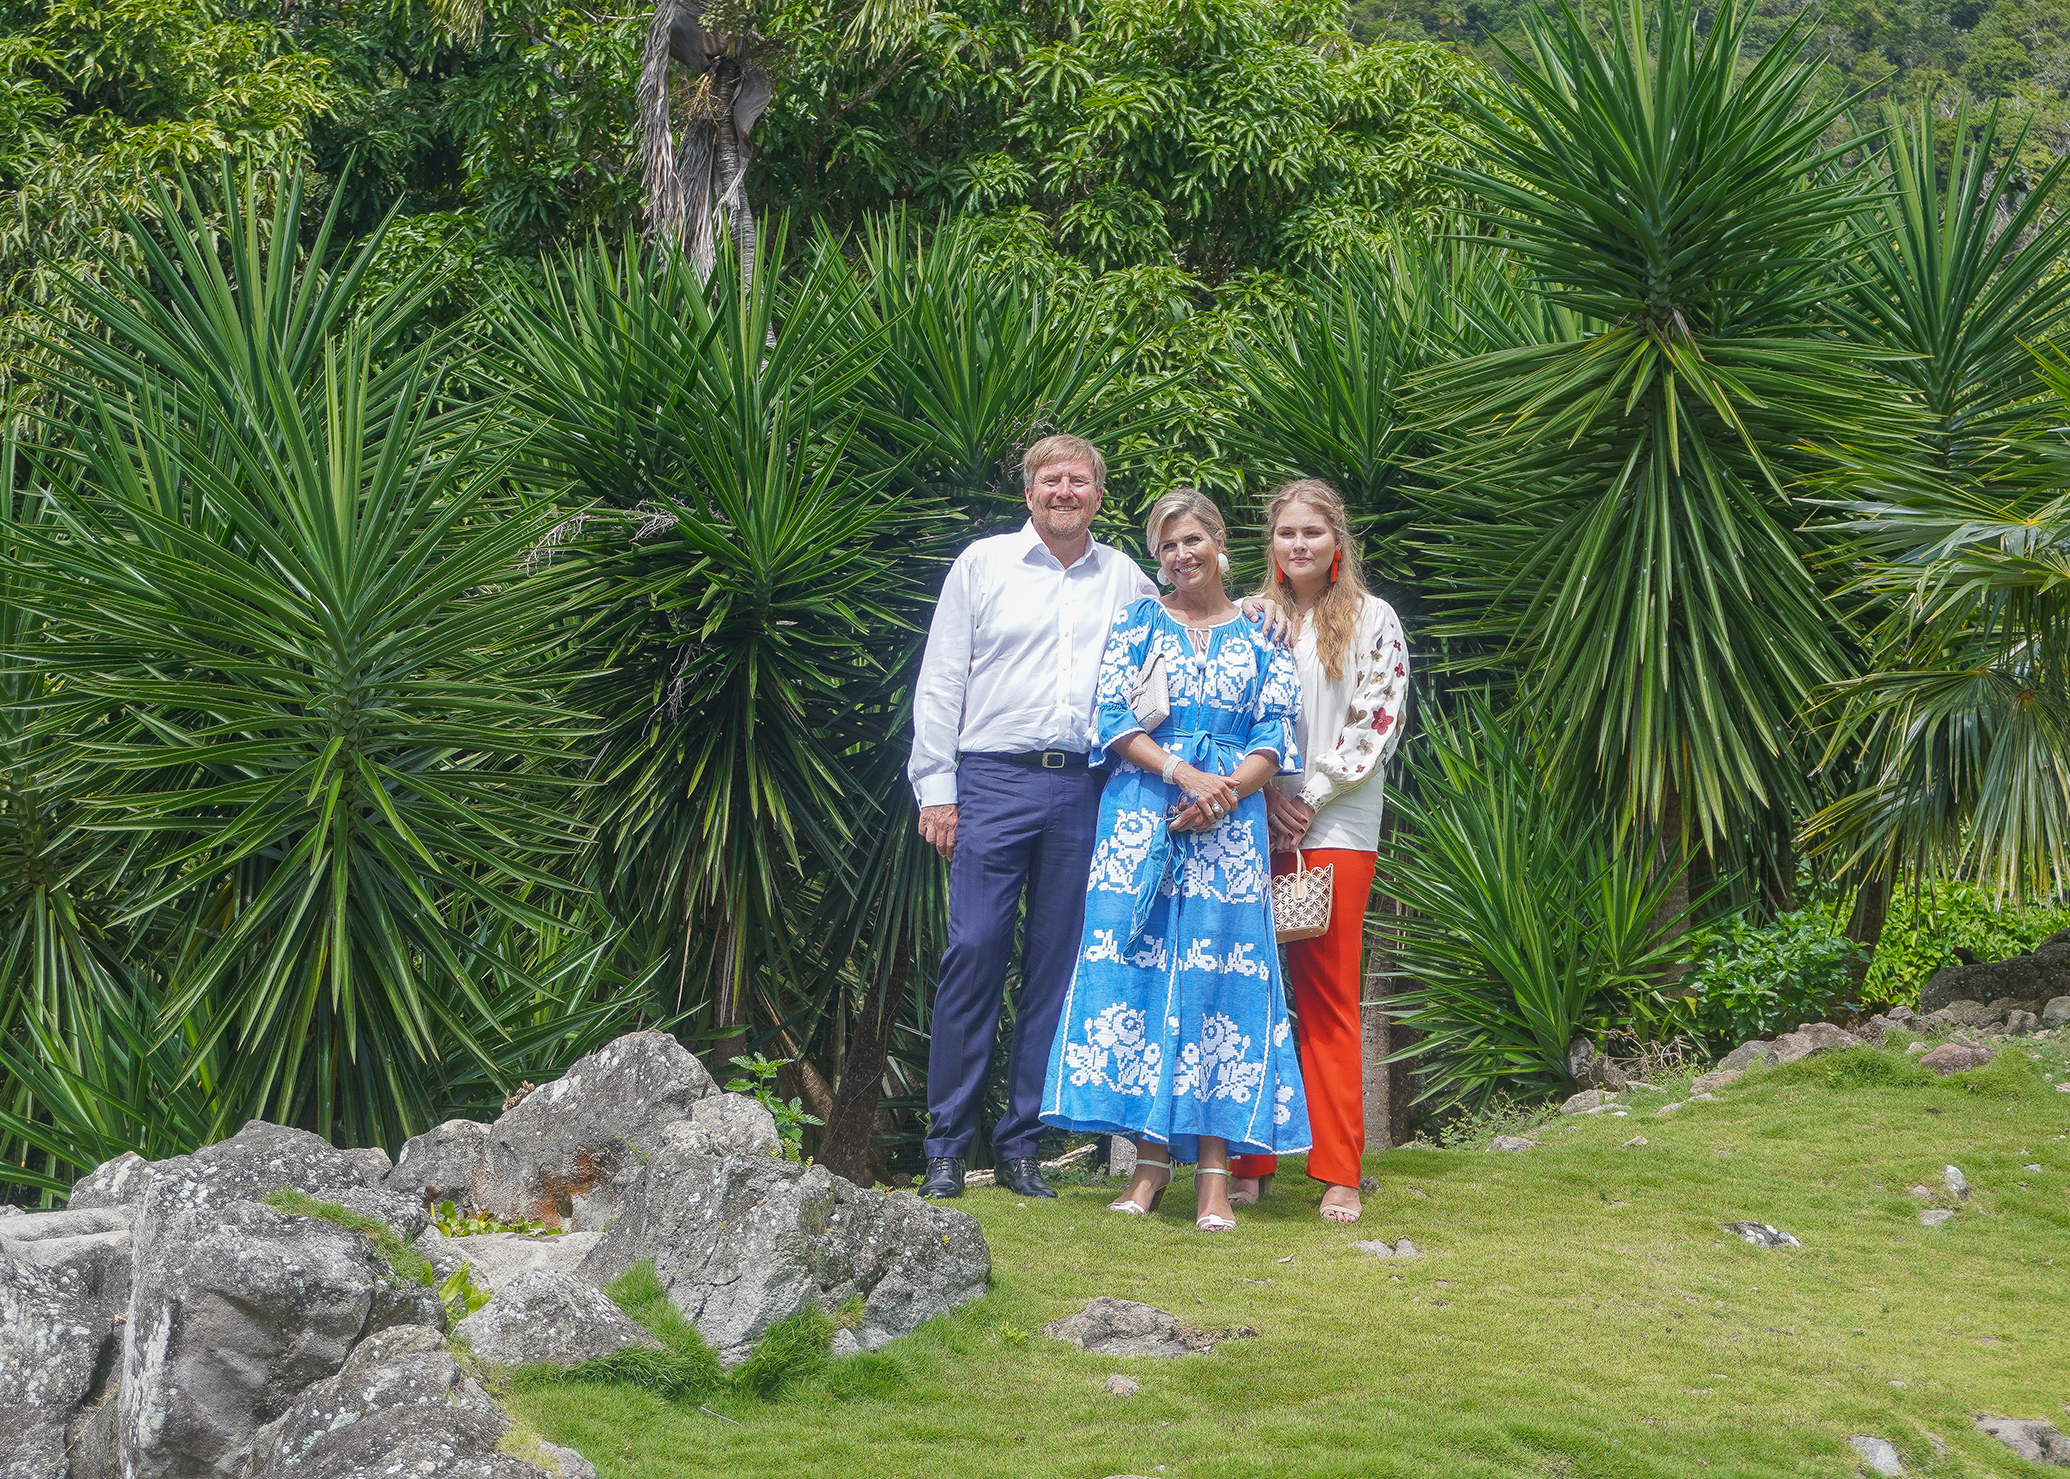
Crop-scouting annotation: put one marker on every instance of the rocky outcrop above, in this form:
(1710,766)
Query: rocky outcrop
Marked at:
(565,1152)
(258,1160)
(174,1324)
(64,1290)
(400,1406)
(743,1241)
(2036,977)
(234,1310)
(549,1317)
(1956,1057)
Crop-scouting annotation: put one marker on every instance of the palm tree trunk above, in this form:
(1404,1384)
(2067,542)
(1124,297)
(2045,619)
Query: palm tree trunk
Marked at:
(1865,924)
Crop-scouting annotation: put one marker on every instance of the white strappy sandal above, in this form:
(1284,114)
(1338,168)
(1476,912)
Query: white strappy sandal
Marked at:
(1208,1221)
(1128,1207)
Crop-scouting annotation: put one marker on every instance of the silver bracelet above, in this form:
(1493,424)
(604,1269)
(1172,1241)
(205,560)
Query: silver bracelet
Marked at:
(1171,768)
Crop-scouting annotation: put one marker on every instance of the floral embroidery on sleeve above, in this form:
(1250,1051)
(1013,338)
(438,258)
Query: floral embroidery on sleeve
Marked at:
(1372,726)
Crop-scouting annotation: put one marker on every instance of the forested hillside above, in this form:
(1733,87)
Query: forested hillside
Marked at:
(1976,51)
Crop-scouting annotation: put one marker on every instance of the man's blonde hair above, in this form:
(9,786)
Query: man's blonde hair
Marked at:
(1062,449)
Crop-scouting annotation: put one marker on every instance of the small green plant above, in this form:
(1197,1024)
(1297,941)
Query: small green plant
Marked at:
(759,1079)
(1013,1334)
(461,1295)
(453,1223)
(1752,980)
(403,1261)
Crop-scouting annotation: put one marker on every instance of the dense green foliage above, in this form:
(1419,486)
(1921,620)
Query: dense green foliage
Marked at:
(439,630)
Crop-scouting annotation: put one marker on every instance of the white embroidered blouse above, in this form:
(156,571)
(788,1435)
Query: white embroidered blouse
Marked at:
(1348,728)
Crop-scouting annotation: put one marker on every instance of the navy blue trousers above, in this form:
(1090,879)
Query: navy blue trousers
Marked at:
(1017,831)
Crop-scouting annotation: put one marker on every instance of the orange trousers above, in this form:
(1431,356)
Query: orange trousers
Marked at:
(1326,974)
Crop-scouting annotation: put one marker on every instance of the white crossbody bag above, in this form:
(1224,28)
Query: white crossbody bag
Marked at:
(1150,698)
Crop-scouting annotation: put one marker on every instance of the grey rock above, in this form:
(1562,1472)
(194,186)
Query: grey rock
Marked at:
(1122,1386)
(1935,1442)
(743,1241)
(2040,975)
(64,1285)
(1710,1083)
(1878,1454)
(1924,1193)
(1588,1101)
(1956,1057)
(1917,1047)
(1957,1182)
(91,1450)
(494,1259)
(1381,1248)
(1636,1140)
(1590,1068)
(845,1343)
(1702,1099)
(2020,1024)
(1669,1108)
(550,1317)
(734,1124)
(401,1407)
(2057,1012)
(1512,1142)
(1935,1216)
(1812,1037)
(258,1160)
(2032,1439)
(571,1464)
(1762,1235)
(444,1164)
(1124,1327)
(1967,1014)
(1748,1054)
(234,1309)
(570,1148)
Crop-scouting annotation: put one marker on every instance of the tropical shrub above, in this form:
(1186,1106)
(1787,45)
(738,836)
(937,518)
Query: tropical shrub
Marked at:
(1528,923)
(1935,925)
(1754,980)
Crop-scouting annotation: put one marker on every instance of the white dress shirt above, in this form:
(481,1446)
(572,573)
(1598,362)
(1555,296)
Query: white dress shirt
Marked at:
(1013,654)
(1349,728)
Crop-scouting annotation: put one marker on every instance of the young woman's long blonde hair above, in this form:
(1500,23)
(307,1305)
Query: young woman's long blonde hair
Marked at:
(1337,609)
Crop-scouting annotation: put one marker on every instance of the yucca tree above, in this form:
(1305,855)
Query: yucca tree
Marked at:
(1527,926)
(747,573)
(1955,739)
(1612,509)
(290,670)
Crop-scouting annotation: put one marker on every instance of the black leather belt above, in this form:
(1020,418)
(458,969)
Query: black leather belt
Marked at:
(1039,759)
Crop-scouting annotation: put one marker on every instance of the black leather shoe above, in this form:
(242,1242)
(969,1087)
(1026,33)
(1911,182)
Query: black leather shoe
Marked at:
(944,1177)
(1023,1177)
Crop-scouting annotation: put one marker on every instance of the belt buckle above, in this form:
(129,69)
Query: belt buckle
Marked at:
(1052,759)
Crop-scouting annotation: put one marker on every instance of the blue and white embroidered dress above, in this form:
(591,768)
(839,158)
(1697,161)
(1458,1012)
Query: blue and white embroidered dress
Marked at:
(1175,1023)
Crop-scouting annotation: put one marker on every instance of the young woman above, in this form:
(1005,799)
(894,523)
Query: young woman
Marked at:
(1174,1027)
(1354,671)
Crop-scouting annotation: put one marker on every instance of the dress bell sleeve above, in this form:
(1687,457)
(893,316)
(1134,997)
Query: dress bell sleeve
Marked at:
(1128,643)
(1277,708)
(1372,724)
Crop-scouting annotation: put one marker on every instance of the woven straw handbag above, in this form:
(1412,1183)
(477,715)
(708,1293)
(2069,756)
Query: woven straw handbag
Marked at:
(1301,901)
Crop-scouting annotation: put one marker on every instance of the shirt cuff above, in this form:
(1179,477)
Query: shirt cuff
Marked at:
(1316,789)
(936,790)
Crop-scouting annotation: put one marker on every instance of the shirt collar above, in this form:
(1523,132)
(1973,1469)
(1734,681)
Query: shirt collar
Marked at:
(1032,545)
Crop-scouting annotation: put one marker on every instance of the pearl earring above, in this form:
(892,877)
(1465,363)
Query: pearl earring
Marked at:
(1221,562)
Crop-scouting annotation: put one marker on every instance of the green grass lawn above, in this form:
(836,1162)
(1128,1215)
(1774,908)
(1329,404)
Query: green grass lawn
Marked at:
(1577,1311)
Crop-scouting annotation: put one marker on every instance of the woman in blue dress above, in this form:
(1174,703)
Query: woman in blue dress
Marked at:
(1174,1030)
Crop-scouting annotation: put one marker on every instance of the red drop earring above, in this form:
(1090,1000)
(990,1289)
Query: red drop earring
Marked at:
(1279,576)
(1335,560)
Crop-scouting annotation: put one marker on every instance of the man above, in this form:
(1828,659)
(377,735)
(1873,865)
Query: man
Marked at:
(1013,659)
(1009,680)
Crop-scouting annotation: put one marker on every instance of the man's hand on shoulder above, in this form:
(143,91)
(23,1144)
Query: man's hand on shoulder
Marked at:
(938,826)
(1269,612)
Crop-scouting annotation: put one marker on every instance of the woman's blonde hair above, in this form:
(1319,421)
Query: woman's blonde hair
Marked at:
(1337,609)
(1176,504)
